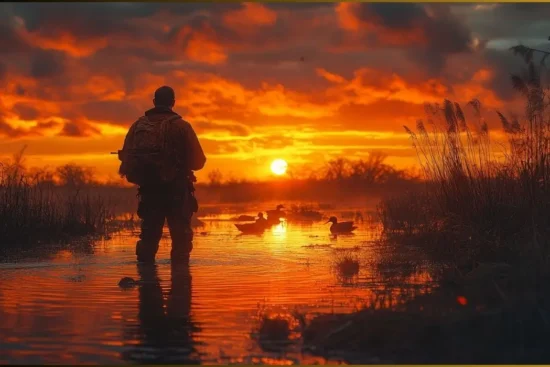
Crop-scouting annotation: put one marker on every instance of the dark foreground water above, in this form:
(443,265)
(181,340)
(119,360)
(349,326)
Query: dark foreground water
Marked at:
(65,306)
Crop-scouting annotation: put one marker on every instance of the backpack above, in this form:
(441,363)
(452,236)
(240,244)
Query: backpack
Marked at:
(146,159)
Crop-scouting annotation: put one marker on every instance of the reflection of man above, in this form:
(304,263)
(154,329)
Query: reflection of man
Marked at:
(160,153)
(165,334)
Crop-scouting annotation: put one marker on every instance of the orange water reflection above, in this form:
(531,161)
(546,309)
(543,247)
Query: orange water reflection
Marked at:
(68,308)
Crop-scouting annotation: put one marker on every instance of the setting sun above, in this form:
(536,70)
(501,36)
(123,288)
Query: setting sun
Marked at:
(279,166)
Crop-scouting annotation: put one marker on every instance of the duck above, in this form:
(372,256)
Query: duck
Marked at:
(261,221)
(258,226)
(277,213)
(342,227)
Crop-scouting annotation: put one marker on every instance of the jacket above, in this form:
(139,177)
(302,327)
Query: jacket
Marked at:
(183,143)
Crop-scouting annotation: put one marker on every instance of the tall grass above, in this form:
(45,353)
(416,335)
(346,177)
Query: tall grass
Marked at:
(34,209)
(496,199)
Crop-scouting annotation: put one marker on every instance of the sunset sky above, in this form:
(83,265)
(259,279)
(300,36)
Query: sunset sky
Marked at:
(302,82)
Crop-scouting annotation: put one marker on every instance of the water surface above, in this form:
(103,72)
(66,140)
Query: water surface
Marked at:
(65,306)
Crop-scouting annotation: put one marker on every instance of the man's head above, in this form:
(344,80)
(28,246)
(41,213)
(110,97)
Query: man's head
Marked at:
(164,97)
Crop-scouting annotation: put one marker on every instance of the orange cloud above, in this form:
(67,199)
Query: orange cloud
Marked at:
(202,45)
(103,87)
(251,15)
(66,42)
(347,18)
(370,22)
(330,76)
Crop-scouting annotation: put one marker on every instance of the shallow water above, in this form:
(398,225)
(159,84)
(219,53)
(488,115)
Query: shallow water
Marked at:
(65,306)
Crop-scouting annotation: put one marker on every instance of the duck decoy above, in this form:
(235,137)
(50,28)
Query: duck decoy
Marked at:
(261,221)
(277,213)
(274,216)
(257,227)
(342,227)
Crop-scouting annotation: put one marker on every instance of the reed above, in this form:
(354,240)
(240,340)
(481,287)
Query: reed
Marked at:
(34,209)
(495,199)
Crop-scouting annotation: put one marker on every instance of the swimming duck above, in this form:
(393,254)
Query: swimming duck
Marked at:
(343,227)
(261,221)
(257,227)
(277,213)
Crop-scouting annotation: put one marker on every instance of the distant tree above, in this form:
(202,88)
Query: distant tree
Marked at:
(74,176)
(373,170)
(337,169)
(15,168)
(215,177)
(42,176)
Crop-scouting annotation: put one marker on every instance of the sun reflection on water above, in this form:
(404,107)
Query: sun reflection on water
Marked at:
(280,229)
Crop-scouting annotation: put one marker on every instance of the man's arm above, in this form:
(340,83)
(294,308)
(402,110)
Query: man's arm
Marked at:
(128,142)
(195,155)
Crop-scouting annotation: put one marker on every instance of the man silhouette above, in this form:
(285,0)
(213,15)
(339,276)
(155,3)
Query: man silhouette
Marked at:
(160,153)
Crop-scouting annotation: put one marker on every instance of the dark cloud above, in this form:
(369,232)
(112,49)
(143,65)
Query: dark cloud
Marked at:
(397,16)
(48,124)
(503,63)
(3,72)
(517,21)
(20,90)
(298,6)
(520,9)
(11,40)
(442,30)
(77,130)
(429,33)
(8,131)
(47,64)
(25,111)
(87,20)
(83,20)
(446,33)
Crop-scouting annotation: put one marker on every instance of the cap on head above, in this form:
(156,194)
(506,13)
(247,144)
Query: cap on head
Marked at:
(333,219)
(260,215)
(164,97)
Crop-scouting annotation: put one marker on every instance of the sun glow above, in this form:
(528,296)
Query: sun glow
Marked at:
(279,167)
